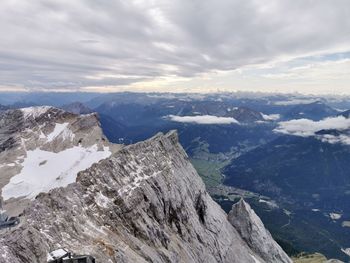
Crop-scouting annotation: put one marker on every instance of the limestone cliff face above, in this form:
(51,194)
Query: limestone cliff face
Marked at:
(252,230)
(145,203)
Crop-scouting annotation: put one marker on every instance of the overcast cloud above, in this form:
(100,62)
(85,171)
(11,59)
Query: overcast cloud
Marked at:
(65,44)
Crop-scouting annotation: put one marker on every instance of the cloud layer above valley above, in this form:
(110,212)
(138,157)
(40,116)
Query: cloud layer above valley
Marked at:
(310,128)
(202,119)
(61,44)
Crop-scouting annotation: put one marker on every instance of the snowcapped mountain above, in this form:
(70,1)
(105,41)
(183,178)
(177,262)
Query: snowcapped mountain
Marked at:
(145,202)
(44,147)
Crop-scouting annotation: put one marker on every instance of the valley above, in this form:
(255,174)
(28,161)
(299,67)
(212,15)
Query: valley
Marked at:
(298,185)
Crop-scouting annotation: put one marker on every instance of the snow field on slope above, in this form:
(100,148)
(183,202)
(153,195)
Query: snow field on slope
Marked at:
(35,111)
(43,170)
(59,128)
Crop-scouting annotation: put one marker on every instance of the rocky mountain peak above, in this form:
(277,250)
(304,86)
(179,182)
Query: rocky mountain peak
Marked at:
(144,203)
(253,231)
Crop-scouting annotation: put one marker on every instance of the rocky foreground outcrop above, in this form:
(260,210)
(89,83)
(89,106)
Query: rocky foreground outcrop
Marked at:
(145,203)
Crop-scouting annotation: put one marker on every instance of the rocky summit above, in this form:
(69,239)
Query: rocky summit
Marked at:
(144,203)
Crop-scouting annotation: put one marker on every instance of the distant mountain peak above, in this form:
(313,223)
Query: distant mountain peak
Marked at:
(77,108)
(345,114)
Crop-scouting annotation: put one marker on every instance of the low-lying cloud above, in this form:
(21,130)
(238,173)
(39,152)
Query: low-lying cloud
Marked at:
(295,101)
(309,128)
(271,117)
(203,119)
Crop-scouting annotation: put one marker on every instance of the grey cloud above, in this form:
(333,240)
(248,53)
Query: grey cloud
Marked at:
(45,42)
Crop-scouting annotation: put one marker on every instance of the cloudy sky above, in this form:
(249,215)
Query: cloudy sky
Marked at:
(182,45)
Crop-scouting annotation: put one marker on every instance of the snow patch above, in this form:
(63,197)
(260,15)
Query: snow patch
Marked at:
(255,259)
(346,251)
(34,112)
(44,170)
(335,216)
(42,135)
(271,204)
(5,253)
(60,128)
(137,178)
(232,109)
(203,119)
(56,254)
(102,200)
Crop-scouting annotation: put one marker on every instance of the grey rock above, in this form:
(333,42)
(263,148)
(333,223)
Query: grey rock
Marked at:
(253,231)
(23,130)
(146,203)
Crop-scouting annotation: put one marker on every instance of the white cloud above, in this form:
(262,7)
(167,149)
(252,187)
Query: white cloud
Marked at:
(203,119)
(308,128)
(294,101)
(271,117)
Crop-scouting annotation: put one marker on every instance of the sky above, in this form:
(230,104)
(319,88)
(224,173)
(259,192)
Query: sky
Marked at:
(175,46)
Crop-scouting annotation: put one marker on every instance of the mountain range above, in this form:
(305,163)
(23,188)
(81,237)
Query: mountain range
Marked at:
(285,155)
(137,203)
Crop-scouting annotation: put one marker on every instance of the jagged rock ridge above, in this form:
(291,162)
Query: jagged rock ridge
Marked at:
(144,203)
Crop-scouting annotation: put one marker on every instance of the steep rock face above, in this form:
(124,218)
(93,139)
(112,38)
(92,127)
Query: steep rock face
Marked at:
(252,230)
(144,203)
(42,147)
